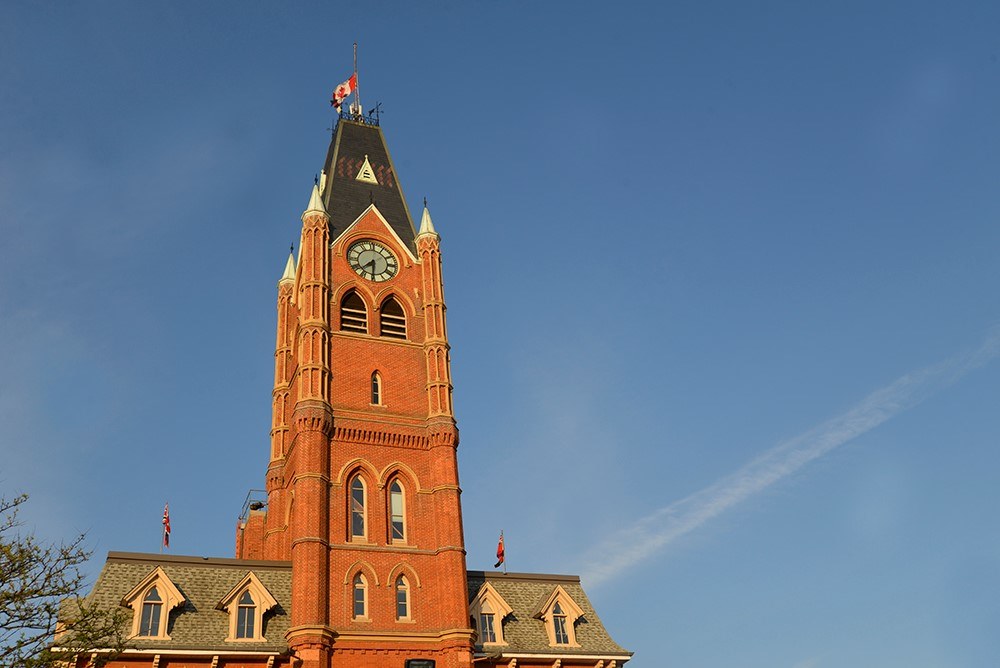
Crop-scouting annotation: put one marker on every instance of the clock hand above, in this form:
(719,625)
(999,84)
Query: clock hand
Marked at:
(372,270)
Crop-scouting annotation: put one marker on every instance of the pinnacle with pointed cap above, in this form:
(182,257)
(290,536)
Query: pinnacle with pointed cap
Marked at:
(426,224)
(289,274)
(315,202)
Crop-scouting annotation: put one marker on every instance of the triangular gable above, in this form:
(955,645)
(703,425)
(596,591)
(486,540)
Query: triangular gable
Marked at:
(570,607)
(372,207)
(171,595)
(258,591)
(487,593)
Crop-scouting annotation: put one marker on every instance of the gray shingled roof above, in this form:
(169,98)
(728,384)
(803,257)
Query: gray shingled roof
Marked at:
(524,633)
(203,582)
(346,198)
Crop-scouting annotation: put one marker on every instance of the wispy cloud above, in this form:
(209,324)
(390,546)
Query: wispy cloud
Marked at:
(654,532)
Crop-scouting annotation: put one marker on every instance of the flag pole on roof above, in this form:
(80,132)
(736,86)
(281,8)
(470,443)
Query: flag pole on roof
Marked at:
(165,543)
(357,88)
(501,554)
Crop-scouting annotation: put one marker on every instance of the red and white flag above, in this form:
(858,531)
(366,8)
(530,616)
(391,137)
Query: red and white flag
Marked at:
(166,525)
(342,91)
(499,552)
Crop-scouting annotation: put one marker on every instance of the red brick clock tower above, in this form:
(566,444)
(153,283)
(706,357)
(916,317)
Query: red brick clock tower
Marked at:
(362,485)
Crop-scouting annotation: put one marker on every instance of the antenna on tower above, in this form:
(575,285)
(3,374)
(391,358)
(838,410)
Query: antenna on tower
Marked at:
(356,105)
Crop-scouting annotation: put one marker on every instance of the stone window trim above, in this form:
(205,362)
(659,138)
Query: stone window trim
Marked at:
(168,593)
(489,598)
(571,612)
(263,600)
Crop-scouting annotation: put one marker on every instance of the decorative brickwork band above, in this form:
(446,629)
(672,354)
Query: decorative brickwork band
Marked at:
(379,437)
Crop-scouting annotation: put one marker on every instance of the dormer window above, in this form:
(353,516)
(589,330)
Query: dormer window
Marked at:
(488,610)
(246,611)
(247,603)
(151,600)
(152,606)
(559,625)
(353,313)
(487,624)
(560,613)
(393,319)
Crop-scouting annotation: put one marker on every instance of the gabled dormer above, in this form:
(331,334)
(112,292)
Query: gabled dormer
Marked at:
(488,609)
(560,613)
(247,603)
(151,601)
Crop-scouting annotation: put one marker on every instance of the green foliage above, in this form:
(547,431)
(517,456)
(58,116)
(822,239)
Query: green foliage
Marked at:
(35,578)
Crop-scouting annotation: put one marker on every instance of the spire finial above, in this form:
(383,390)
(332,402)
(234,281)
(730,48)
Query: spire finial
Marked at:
(315,200)
(426,224)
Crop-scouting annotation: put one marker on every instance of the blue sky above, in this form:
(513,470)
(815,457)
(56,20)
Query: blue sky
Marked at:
(722,288)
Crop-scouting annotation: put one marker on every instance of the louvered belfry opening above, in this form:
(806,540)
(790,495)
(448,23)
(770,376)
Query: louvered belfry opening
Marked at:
(353,314)
(393,319)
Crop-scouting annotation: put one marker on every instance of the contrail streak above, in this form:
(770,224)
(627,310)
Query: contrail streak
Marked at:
(654,532)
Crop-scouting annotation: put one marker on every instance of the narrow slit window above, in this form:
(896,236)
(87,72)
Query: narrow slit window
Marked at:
(360,597)
(358,507)
(393,319)
(376,388)
(402,598)
(353,313)
(397,518)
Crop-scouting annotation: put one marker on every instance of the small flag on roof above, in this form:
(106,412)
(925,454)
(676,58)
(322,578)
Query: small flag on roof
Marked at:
(343,91)
(499,552)
(166,525)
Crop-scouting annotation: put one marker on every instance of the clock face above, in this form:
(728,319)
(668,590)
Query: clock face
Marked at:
(370,259)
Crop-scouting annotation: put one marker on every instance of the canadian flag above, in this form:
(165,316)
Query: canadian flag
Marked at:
(342,91)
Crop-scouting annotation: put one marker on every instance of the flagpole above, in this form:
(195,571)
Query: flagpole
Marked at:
(357,85)
(504,552)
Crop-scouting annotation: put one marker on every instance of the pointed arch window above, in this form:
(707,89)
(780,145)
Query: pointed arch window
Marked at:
(402,599)
(376,388)
(559,625)
(152,608)
(397,513)
(358,503)
(246,613)
(487,623)
(393,323)
(360,597)
(353,313)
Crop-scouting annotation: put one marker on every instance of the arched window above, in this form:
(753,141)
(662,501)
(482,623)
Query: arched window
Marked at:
(245,615)
(360,597)
(402,598)
(353,313)
(397,513)
(376,388)
(559,625)
(358,502)
(393,319)
(487,630)
(152,606)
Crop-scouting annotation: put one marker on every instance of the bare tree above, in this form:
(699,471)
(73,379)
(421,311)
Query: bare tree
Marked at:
(35,578)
